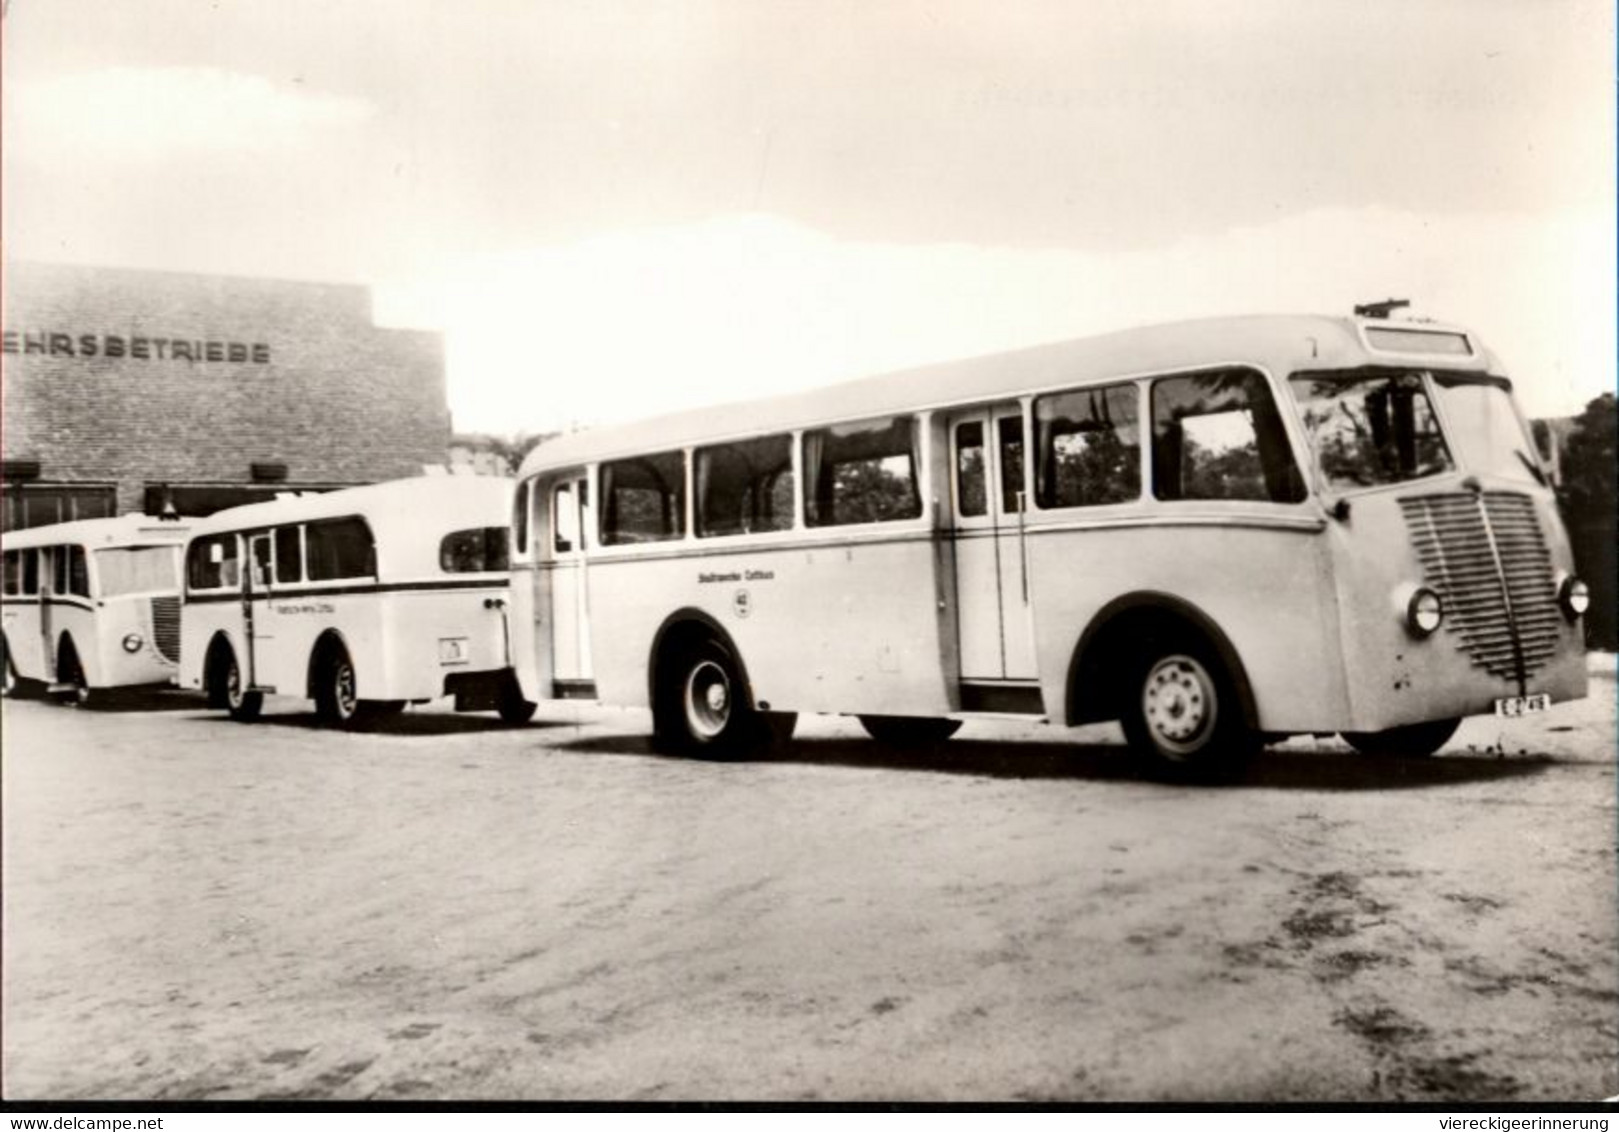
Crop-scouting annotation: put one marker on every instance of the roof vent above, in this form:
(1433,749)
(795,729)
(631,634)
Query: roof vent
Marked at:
(1380,309)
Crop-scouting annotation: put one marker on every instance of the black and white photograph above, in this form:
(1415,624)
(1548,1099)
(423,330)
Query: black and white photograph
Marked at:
(666,553)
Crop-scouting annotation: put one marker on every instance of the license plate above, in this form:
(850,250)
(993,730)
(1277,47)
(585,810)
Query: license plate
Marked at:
(1514,706)
(453,650)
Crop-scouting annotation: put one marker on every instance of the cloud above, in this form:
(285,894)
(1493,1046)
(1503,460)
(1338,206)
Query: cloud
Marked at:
(642,321)
(161,112)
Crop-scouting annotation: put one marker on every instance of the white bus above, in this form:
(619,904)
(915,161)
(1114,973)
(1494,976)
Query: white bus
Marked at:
(362,600)
(92,605)
(1220,533)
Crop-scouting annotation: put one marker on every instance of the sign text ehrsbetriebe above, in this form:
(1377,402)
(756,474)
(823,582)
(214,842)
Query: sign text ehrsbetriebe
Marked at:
(57,345)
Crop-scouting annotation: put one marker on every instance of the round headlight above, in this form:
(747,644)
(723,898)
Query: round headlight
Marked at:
(1424,611)
(133,642)
(1574,596)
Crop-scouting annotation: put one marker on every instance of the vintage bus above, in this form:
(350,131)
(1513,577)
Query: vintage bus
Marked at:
(362,600)
(92,605)
(1219,532)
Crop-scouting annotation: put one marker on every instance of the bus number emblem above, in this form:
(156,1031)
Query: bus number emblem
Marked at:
(742,603)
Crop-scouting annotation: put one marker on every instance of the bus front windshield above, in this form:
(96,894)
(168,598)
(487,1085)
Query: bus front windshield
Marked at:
(140,569)
(1371,427)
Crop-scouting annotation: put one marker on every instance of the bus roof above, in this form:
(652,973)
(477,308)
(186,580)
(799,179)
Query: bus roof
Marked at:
(423,507)
(1283,342)
(99,534)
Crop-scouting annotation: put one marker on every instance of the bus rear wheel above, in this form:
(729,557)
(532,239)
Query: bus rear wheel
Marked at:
(513,708)
(336,701)
(13,683)
(701,706)
(1181,712)
(1413,741)
(243,706)
(907,731)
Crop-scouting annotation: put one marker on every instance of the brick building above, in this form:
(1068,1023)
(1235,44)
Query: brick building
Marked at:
(127,390)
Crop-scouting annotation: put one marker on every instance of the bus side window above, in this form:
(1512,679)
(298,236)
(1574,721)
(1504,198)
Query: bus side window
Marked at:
(1088,447)
(644,500)
(970,470)
(520,509)
(13,559)
(863,472)
(1219,436)
(340,548)
(30,571)
(476,551)
(744,487)
(289,554)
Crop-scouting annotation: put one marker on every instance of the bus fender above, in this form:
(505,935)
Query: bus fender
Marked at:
(678,622)
(1086,700)
(328,637)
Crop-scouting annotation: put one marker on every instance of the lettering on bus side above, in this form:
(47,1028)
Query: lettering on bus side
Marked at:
(306,607)
(706,578)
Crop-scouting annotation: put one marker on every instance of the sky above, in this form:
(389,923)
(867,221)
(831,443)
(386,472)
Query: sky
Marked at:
(611,208)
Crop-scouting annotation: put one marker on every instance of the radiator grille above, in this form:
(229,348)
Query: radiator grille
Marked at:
(166,627)
(1486,557)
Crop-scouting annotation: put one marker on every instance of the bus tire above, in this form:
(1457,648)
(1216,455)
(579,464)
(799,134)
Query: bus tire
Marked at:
(70,671)
(15,686)
(226,675)
(701,706)
(1181,712)
(909,732)
(513,708)
(1413,741)
(336,701)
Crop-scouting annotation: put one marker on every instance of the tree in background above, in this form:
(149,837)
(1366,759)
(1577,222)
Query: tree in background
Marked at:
(1590,506)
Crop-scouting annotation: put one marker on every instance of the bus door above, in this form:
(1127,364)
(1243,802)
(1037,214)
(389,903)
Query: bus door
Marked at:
(256,614)
(571,520)
(988,493)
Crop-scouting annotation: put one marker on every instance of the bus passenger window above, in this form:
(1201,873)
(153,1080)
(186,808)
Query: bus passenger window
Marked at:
(477,551)
(1219,436)
(1087,447)
(30,571)
(861,473)
(970,468)
(13,560)
(289,555)
(211,563)
(745,487)
(340,548)
(644,500)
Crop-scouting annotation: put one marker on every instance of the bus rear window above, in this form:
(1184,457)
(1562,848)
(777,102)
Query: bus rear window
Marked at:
(745,487)
(480,550)
(861,473)
(643,500)
(1218,436)
(211,563)
(339,548)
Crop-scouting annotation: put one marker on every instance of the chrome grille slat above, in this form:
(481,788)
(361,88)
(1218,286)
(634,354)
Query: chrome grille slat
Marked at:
(1488,560)
(166,627)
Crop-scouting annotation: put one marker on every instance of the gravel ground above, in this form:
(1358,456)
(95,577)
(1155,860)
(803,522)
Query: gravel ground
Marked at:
(450,908)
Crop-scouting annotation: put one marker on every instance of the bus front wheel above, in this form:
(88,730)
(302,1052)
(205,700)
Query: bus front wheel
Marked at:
(909,732)
(70,675)
(1414,741)
(701,707)
(243,705)
(336,700)
(1181,712)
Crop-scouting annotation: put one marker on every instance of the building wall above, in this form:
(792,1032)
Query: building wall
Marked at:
(135,378)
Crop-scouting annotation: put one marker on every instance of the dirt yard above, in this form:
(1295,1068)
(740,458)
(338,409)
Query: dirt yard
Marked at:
(450,908)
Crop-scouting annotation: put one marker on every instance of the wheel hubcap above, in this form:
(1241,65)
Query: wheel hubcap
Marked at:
(233,685)
(1178,702)
(708,699)
(345,689)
